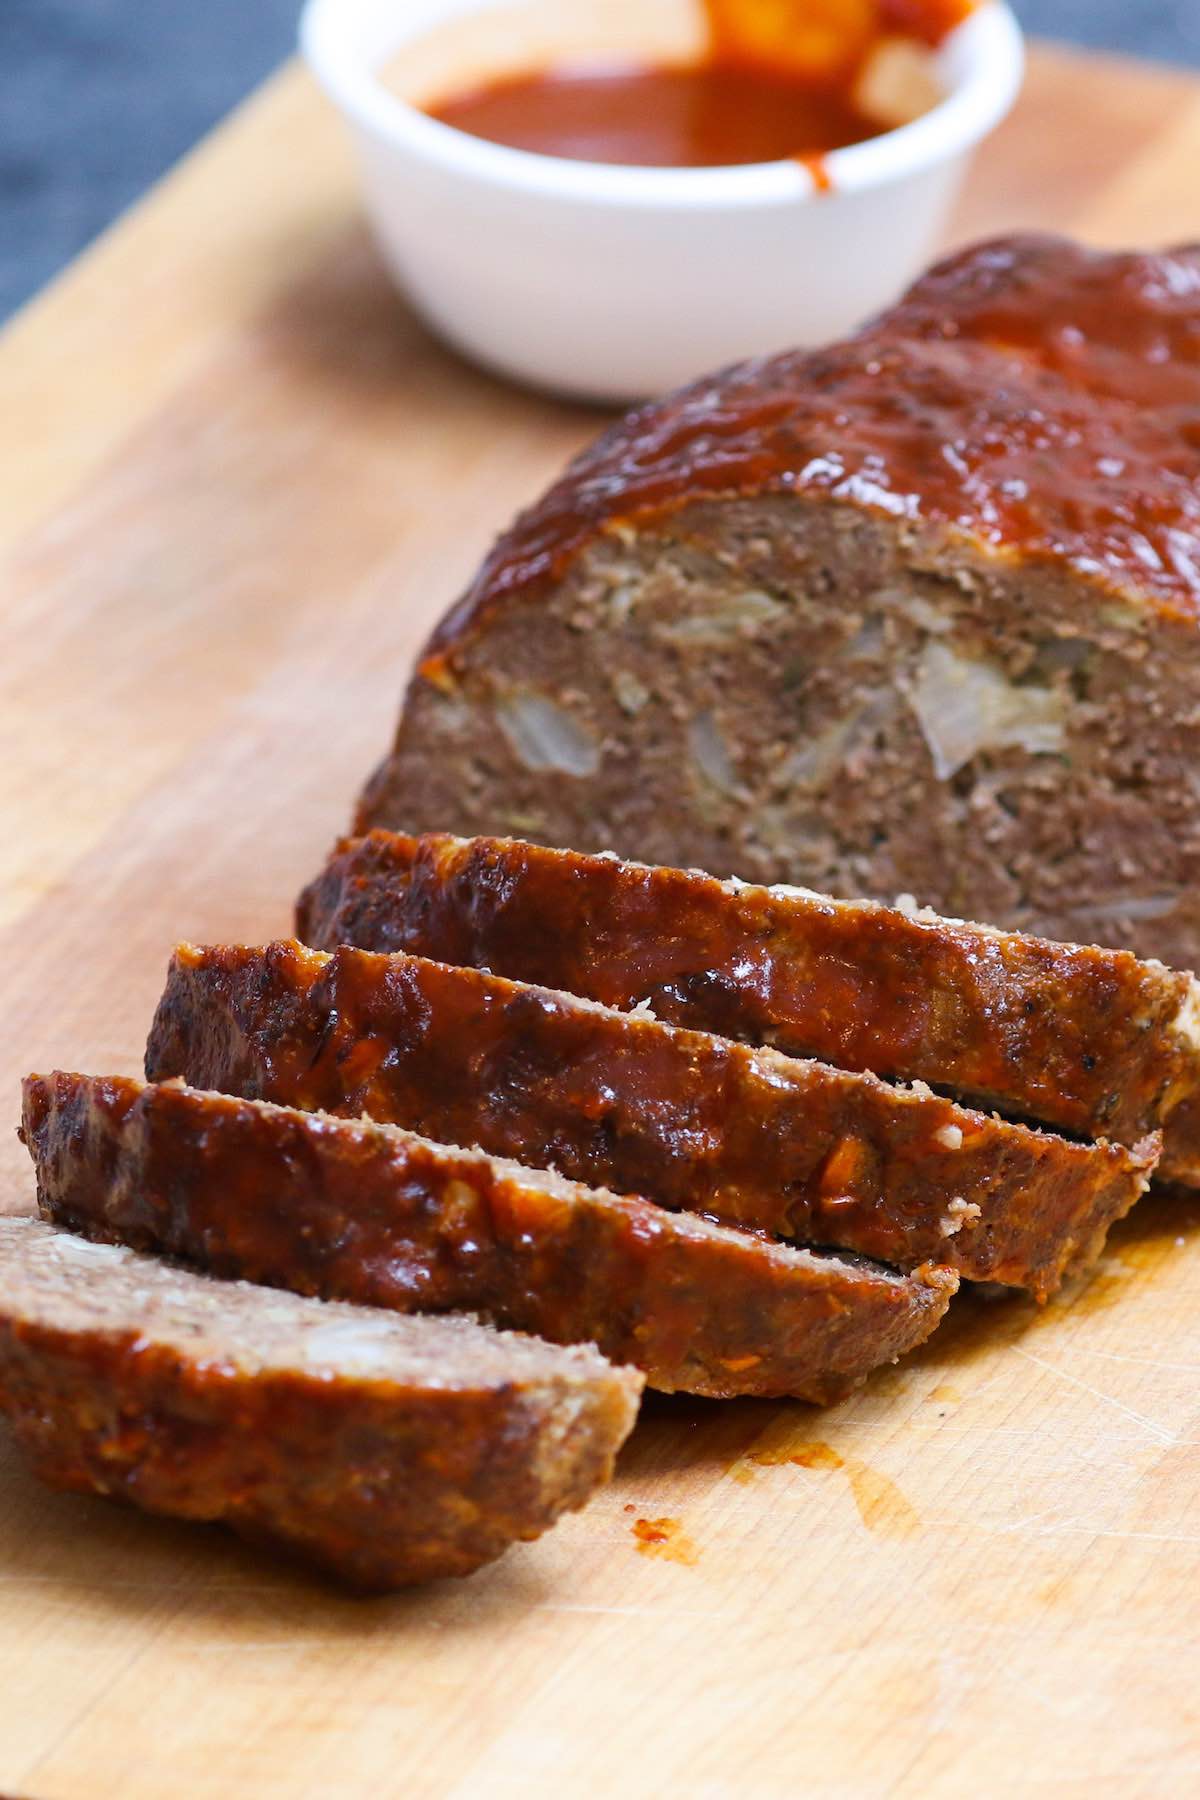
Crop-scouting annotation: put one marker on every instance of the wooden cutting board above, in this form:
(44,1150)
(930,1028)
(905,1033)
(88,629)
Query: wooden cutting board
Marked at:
(239,483)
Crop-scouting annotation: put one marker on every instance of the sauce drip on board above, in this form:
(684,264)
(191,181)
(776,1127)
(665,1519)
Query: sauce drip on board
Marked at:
(665,1539)
(781,79)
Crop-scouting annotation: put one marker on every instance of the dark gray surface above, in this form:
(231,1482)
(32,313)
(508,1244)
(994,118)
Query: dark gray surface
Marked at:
(98,97)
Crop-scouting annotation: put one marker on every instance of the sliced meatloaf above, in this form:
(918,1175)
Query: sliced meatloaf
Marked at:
(914,614)
(1091,1041)
(692,1121)
(385,1450)
(355,1211)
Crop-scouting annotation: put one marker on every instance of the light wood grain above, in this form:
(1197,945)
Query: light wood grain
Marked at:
(240,482)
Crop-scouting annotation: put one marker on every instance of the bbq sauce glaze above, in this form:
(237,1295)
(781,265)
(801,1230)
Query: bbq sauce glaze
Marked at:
(1064,382)
(779,80)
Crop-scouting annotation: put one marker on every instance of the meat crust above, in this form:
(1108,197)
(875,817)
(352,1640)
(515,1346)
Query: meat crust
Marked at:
(384,1451)
(354,1211)
(694,1122)
(1091,1041)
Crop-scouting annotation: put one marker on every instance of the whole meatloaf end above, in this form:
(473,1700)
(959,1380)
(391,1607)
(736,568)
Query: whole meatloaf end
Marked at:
(1091,1041)
(916,614)
(356,1211)
(623,1101)
(384,1450)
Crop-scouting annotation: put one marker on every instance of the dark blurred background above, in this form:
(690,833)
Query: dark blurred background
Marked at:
(98,97)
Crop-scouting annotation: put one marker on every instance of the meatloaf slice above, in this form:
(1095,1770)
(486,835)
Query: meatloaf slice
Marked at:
(385,1450)
(1091,1041)
(915,614)
(621,1100)
(356,1211)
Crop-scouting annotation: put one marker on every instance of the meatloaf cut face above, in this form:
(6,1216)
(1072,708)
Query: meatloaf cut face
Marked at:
(355,1211)
(918,614)
(1092,1041)
(385,1450)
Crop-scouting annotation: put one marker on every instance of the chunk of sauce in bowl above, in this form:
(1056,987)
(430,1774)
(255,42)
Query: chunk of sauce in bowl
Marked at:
(780,79)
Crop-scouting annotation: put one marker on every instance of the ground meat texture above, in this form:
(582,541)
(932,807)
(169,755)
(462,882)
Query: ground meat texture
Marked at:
(1091,1041)
(355,1211)
(916,614)
(692,1121)
(384,1450)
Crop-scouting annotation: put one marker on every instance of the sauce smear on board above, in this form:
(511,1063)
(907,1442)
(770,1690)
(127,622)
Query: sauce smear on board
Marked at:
(780,80)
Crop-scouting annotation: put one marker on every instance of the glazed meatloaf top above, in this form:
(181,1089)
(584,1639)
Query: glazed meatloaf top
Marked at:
(621,1100)
(1039,398)
(355,1211)
(1090,1040)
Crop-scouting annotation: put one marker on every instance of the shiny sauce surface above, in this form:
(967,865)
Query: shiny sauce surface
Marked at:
(688,115)
(1038,396)
(779,79)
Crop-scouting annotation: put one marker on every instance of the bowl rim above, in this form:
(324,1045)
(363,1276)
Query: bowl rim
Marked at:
(984,59)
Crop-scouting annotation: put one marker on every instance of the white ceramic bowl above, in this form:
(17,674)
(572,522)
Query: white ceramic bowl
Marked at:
(612,283)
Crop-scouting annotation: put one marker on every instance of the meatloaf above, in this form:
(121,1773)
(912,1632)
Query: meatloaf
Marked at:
(1091,1041)
(355,1211)
(621,1100)
(915,614)
(385,1450)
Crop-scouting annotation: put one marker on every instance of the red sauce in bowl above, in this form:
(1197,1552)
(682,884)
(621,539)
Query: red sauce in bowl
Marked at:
(702,115)
(779,81)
